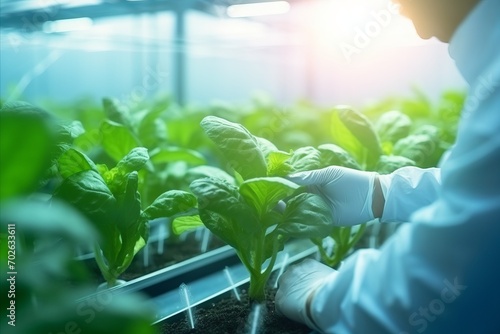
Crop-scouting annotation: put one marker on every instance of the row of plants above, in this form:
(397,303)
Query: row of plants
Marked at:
(120,168)
(47,289)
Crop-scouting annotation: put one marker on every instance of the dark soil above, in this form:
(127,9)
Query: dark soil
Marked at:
(229,316)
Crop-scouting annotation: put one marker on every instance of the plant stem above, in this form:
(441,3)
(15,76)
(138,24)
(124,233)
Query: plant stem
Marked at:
(101,263)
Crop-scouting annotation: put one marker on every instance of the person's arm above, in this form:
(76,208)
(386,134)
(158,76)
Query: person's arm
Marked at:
(356,197)
(405,191)
(438,274)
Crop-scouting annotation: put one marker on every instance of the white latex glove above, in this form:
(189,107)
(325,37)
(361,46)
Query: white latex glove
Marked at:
(296,287)
(347,191)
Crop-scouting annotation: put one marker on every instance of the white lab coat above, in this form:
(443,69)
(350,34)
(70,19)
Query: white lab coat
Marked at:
(440,273)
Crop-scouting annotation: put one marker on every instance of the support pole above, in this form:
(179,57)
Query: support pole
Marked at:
(179,63)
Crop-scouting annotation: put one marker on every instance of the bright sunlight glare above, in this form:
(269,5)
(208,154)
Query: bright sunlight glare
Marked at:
(362,47)
(258,9)
(355,29)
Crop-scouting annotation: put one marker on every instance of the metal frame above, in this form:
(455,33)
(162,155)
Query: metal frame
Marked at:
(29,16)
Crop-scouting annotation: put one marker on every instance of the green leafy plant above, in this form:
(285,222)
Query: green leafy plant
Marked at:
(52,289)
(245,216)
(120,129)
(111,201)
(27,146)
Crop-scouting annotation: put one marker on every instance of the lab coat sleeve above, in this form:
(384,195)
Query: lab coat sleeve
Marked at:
(440,273)
(408,189)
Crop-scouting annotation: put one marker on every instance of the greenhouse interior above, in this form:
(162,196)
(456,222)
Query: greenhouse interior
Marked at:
(165,164)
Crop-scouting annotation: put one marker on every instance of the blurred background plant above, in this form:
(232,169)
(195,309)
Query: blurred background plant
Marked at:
(50,290)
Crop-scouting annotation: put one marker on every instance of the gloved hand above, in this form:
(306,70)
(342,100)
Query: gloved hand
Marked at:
(347,191)
(296,287)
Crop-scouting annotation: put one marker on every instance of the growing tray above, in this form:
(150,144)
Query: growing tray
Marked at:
(206,277)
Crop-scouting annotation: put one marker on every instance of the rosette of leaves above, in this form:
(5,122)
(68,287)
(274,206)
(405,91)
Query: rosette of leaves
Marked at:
(109,198)
(245,216)
(246,219)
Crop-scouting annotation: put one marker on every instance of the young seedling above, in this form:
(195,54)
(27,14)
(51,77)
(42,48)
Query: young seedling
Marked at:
(111,201)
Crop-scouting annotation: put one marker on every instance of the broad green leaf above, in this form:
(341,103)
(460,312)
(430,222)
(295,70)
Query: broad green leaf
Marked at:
(152,130)
(170,154)
(344,138)
(354,132)
(305,159)
(117,140)
(439,137)
(389,163)
(134,160)
(26,148)
(70,131)
(392,126)
(265,193)
(186,223)
(416,147)
(88,140)
(277,163)
(203,171)
(224,212)
(170,203)
(239,147)
(428,130)
(23,109)
(130,205)
(306,216)
(56,218)
(88,192)
(333,155)
(218,195)
(73,161)
(265,146)
(114,110)
(363,130)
